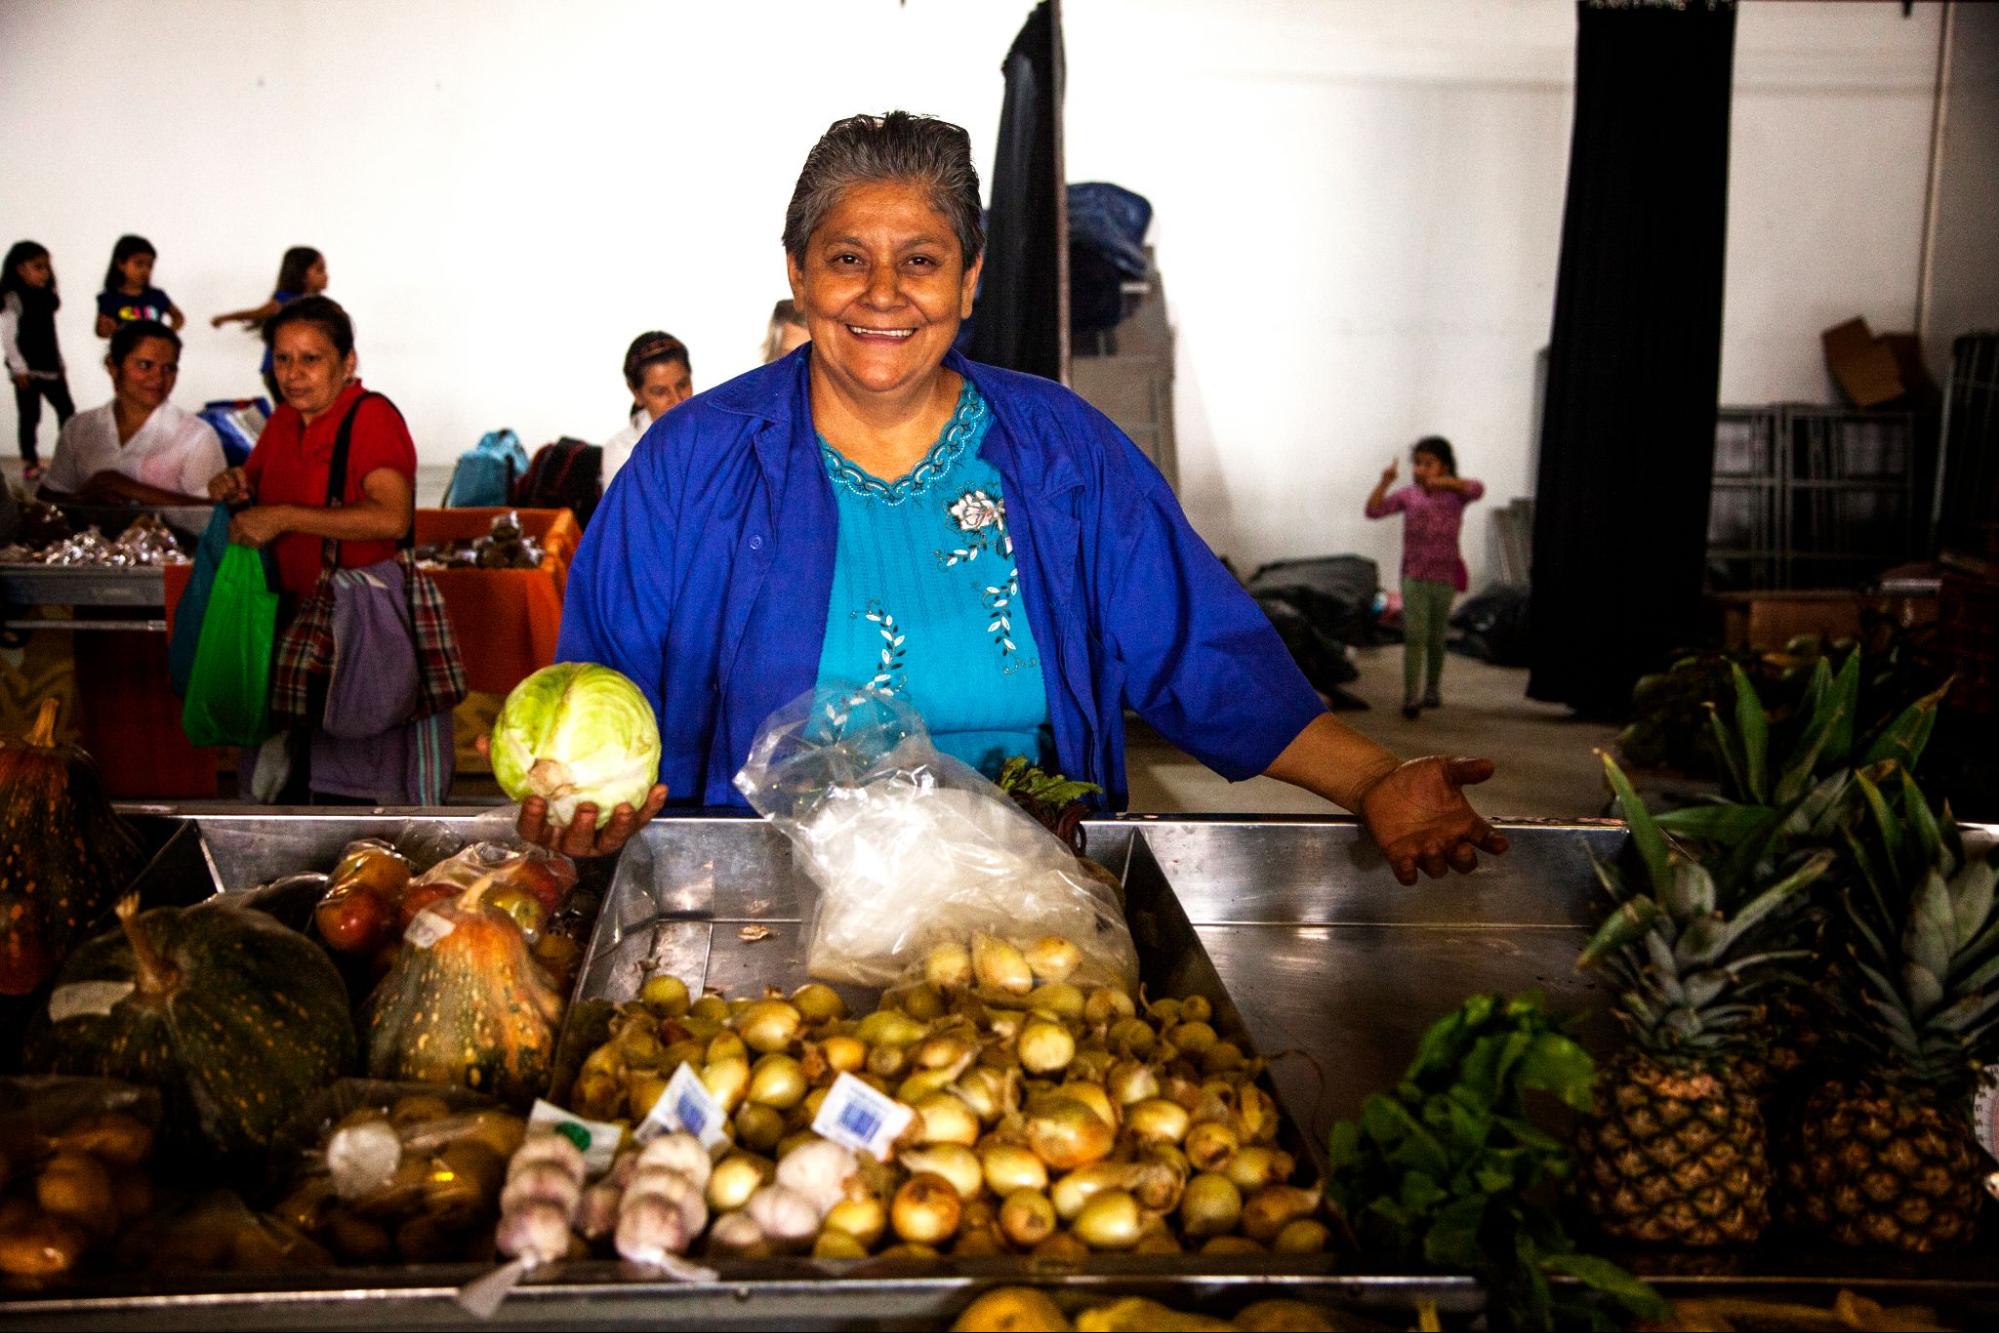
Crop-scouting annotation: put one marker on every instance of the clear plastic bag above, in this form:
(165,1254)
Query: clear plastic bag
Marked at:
(914,851)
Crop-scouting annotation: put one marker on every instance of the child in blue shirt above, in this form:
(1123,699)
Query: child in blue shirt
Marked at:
(302,272)
(129,293)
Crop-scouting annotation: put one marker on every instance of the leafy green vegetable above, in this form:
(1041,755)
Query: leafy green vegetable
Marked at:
(1448,1171)
(1020,778)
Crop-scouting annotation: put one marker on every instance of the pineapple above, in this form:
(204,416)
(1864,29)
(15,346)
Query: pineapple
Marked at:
(1676,1152)
(1885,1153)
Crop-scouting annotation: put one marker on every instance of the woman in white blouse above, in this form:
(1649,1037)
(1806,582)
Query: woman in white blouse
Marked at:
(660,377)
(138,448)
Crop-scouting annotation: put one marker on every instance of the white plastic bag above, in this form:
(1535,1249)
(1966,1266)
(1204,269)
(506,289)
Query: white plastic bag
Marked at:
(912,849)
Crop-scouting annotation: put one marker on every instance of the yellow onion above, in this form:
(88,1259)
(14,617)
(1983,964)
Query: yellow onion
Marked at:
(1111,1220)
(1093,1096)
(770,1025)
(1256,1165)
(1265,1212)
(948,966)
(1005,1024)
(1027,1218)
(817,1002)
(1164,1012)
(1129,1081)
(1000,966)
(1061,1245)
(1014,1309)
(1191,1038)
(833,1244)
(724,1046)
(861,1215)
(1157,1182)
(844,1054)
(1008,1167)
(1224,1057)
(1058,999)
(1196,1009)
(665,994)
(1092,1063)
(953,1161)
(700,1028)
(1209,1144)
(1231,1245)
(925,1003)
(1156,1120)
(1158,1240)
(944,1051)
(1078,1187)
(1210,1206)
(989,1092)
(1045,1047)
(1302,1235)
(980,1242)
(777,1080)
(926,1209)
(1256,1114)
(922,1083)
(1107,1004)
(945,1119)
(727,1081)
(642,1090)
(758,1126)
(1053,958)
(1133,1036)
(710,1008)
(735,1178)
(1066,1133)
(808,1109)
(637,1045)
(689,1052)
(888,1061)
(890,1027)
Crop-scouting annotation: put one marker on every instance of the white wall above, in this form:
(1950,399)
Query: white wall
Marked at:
(1359,204)
(1964,240)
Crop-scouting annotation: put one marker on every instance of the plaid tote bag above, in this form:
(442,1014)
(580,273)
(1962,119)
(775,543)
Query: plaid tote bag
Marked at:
(440,671)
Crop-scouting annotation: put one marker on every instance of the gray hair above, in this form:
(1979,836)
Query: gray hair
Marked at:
(921,150)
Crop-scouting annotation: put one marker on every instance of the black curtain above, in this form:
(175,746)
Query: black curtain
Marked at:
(1017,322)
(1627,435)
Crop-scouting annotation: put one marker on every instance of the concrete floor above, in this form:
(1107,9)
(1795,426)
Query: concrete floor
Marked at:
(1546,768)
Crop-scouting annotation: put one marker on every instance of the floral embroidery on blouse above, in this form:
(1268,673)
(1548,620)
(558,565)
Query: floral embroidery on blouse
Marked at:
(889,677)
(983,516)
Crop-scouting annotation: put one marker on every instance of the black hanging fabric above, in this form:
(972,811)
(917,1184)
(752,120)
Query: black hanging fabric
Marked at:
(1017,322)
(1627,437)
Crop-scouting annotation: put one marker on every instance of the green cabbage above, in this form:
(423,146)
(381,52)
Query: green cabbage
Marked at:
(577,733)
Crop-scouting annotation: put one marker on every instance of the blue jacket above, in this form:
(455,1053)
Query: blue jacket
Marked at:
(706,572)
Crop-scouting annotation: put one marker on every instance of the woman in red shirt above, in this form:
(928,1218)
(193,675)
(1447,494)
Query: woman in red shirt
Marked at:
(284,482)
(312,356)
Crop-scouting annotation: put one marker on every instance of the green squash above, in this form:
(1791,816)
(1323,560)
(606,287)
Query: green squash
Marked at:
(233,1016)
(64,853)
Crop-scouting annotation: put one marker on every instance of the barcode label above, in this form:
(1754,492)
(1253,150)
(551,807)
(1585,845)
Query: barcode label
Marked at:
(856,1116)
(1984,1111)
(686,1105)
(597,1141)
(429,927)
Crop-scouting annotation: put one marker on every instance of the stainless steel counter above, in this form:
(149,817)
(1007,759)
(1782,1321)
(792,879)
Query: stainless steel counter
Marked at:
(1334,968)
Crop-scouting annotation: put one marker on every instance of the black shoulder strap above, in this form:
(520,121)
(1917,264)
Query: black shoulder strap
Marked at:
(336,474)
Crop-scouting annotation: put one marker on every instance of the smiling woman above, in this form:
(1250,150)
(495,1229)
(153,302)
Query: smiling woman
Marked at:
(873,509)
(138,448)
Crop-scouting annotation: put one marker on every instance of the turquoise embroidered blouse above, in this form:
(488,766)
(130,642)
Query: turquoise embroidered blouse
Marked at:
(926,600)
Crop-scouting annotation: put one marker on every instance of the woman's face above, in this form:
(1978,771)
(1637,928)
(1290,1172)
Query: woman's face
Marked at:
(146,377)
(883,288)
(1427,469)
(315,277)
(36,272)
(137,270)
(667,384)
(310,373)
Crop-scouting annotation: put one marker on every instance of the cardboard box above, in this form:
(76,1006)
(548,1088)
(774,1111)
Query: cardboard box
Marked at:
(1875,370)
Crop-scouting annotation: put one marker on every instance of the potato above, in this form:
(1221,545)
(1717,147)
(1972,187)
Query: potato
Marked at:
(417,1109)
(132,1195)
(463,1184)
(500,1132)
(402,1195)
(425,1240)
(114,1138)
(43,1247)
(306,1208)
(356,1239)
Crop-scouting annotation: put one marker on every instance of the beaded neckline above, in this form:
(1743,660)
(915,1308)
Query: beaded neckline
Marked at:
(964,430)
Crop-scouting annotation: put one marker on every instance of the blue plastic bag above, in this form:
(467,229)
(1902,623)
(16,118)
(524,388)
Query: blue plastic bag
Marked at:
(194,602)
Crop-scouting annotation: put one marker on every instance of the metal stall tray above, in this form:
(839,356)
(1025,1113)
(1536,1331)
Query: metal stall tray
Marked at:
(1334,968)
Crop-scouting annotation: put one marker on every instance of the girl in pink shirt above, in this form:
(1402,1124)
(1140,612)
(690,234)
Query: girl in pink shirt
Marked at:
(1432,570)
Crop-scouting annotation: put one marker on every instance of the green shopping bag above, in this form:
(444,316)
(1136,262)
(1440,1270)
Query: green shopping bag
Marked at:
(229,689)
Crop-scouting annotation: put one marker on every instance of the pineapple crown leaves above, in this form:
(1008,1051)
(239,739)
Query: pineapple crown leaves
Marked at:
(1447,1169)
(1689,959)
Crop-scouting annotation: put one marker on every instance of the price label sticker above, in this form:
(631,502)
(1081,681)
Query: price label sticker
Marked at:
(686,1105)
(87,999)
(429,927)
(597,1141)
(856,1116)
